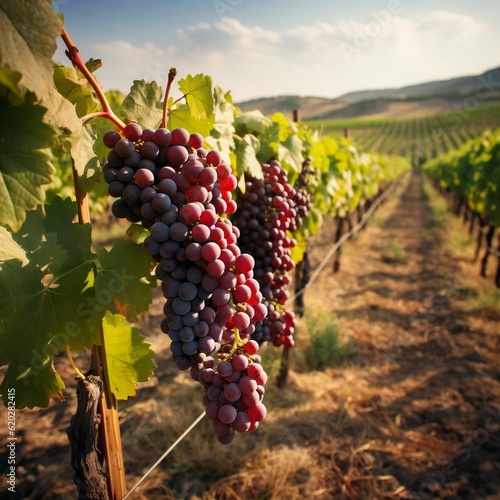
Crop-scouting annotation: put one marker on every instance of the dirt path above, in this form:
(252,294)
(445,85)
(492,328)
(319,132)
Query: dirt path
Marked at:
(425,388)
(414,412)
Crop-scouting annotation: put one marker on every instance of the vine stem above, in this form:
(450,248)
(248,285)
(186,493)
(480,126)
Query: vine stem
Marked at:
(109,428)
(74,56)
(79,374)
(171,77)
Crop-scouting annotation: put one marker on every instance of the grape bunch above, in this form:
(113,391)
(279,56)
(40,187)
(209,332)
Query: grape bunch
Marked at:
(181,193)
(233,400)
(266,213)
(302,196)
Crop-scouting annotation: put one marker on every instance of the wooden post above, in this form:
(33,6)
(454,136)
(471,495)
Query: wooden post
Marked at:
(338,235)
(497,277)
(489,242)
(110,440)
(296,116)
(83,433)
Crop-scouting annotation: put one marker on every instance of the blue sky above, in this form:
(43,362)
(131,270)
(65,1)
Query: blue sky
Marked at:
(261,48)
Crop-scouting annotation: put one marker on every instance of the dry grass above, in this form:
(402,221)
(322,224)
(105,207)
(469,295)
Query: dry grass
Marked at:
(405,407)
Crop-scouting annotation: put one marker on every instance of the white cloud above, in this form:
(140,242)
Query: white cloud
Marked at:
(444,25)
(308,59)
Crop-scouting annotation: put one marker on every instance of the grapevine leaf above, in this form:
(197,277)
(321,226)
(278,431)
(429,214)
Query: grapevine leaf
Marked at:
(9,79)
(312,223)
(222,134)
(129,358)
(85,160)
(47,304)
(197,90)
(246,161)
(144,104)
(60,112)
(180,117)
(137,233)
(72,85)
(24,159)
(251,122)
(34,386)
(74,238)
(93,64)
(300,248)
(293,155)
(124,282)
(29,31)
(115,99)
(9,249)
(99,127)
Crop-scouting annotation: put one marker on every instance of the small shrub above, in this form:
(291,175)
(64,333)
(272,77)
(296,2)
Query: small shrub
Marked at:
(393,252)
(325,346)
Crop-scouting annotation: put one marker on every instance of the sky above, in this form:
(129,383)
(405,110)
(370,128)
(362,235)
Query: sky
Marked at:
(265,48)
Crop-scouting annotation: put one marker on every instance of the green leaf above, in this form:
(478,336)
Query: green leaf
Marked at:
(246,160)
(29,31)
(9,249)
(198,93)
(293,155)
(129,358)
(93,64)
(35,385)
(86,163)
(251,122)
(137,233)
(181,117)
(9,79)
(222,134)
(144,104)
(124,282)
(300,248)
(60,113)
(74,238)
(47,304)
(24,160)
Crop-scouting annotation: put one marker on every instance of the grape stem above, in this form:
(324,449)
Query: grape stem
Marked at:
(79,374)
(74,56)
(171,77)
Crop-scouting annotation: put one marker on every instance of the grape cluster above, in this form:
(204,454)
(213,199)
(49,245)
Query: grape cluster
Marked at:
(182,194)
(302,196)
(266,213)
(233,401)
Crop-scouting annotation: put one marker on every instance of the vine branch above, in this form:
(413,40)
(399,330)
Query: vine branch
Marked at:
(171,77)
(79,374)
(74,56)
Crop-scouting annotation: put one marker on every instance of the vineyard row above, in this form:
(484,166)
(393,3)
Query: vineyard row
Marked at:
(419,138)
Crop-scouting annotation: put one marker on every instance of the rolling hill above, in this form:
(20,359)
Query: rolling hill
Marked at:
(414,100)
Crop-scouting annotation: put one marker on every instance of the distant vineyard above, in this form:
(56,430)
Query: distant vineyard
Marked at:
(419,138)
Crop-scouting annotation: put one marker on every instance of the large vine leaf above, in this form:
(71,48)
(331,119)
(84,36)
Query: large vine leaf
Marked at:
(10,79)
(24,160)
(128,357)
(252,122)
(9,249)
(181,116)
(197,90)
(47,304)
(75,88)
(144,104)
(60,112)
(245,152)
(86,162)
(222,134)
(29,30)
(124,282)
